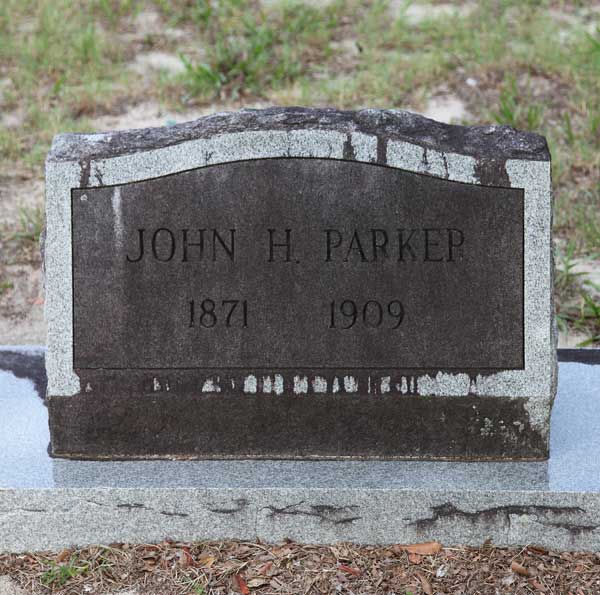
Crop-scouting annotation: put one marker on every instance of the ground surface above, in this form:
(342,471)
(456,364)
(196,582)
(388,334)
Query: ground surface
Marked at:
(239,567)
(133,63)
(108,64)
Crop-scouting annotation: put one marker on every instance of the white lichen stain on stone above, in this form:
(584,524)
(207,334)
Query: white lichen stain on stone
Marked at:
(350,384)
(300,385)
(267,384)
(319,384)
(444,384)
(520,425)
(278,384)
(488,427)
(211,386)
(97,137)
(385,385)
(250,384)
(273,384)
(335,386)
(118,217)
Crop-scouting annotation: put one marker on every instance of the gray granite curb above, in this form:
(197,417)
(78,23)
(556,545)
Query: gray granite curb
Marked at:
(50,503)
(57,518)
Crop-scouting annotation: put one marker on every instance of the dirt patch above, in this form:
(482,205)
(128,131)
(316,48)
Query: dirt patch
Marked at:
(21,287)
(148,63)
(13,119)
(17,194)
(446,108)
(312,3)
(152,113)
(586,17)
(22,306)
(571,340)
(414,13)
(146,115)
(149,26)
(590,271)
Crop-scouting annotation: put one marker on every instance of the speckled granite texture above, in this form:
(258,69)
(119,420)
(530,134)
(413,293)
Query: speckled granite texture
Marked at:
(51,503)
(488,156)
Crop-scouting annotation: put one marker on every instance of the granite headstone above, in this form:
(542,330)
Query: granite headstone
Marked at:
(297,283)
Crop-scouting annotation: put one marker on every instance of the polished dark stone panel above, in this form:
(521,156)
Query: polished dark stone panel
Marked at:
(298,264)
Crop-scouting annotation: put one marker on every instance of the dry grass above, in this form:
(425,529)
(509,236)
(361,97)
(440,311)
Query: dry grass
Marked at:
(171,568)
(532,65)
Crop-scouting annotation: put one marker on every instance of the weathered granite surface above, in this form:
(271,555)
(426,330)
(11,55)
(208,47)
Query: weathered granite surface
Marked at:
(496,142)
(512,400)
(52,503)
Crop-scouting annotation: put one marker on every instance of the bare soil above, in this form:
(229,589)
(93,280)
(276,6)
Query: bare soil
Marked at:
(154,45)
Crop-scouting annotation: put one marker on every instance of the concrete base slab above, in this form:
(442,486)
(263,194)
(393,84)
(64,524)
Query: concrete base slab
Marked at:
(49,503)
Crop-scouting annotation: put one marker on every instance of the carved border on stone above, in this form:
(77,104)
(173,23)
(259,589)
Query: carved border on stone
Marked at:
(74,162)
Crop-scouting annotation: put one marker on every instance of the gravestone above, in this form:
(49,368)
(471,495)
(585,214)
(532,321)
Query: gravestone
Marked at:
(297,283)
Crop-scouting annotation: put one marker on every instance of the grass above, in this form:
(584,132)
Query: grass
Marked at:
(60,65)
(59,575)
(578,303)
(582,316)
(5,286)
(566,278)
(20,242)
(531,71)
(31,224)
(249,50)
(517,109)
(73,568)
